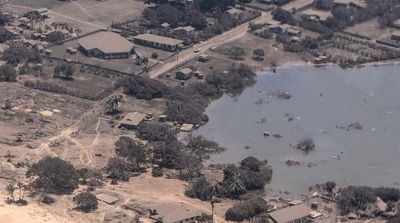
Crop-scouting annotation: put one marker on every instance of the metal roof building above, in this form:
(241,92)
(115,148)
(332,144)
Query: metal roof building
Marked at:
(160,42)
(106,45)
(294,214)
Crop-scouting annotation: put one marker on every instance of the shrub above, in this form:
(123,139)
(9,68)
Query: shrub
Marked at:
(17,53)
(246,209)
(55,37)
(355,198)
(92,178)
(202,146)
(142,87)
(8,73)
(166,154)
(387,193)
(117,169)
(128,148)
(53,175)
(156,132)
(85,201)
(200,188)
(64,71)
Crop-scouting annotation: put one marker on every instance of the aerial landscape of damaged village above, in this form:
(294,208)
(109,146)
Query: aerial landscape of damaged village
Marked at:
(265,111)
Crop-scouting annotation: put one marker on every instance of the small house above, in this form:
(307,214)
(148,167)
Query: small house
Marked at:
(187,30)
(293,31)
(293,214)
(186,128)
(165,25)
(204,58)
(48,52)
(132,120)
(108,199)
(279,29)
(396,36)
(358,4)
(184,74)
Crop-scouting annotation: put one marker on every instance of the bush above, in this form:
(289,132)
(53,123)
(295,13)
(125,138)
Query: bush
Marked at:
(156,132)
(200,188)
(166,154)
(117,169)
(255,174)
(306,145)
(246,209)
(53,175)
(55,37)
(128,148)
(85,201)
(64,71)
(92,178)
(8,73)
(355,198)
(143,87)
(387,193)
(18,53)
(202,147)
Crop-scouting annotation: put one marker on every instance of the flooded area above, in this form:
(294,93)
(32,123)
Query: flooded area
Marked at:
(322,100)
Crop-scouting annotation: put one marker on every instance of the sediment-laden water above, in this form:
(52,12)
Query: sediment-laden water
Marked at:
(323,99)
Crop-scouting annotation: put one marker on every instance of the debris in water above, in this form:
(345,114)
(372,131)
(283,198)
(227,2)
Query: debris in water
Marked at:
(277,136)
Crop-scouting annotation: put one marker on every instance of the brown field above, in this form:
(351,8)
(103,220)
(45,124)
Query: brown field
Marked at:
(88,15)
(249,42)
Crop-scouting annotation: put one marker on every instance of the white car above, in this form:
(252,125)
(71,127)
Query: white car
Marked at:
(197,50)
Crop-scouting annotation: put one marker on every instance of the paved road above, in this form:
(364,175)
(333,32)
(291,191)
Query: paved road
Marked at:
(189,54)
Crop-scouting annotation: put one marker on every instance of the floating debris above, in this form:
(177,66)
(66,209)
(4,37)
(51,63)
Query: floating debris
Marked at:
(306,145)
(292,162)
(277,136)
(282,95)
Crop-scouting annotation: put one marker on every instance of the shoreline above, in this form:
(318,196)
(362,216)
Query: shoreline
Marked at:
(266,70)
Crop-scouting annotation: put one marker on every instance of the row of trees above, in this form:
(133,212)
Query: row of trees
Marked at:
(252,174)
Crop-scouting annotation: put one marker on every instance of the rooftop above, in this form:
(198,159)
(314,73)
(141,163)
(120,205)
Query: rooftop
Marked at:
(172,212)
(134,118)
(290,214)
(107,198)
(158,39)
(185,28)
(359,3)
(107,42)
(323,15)
(186,71)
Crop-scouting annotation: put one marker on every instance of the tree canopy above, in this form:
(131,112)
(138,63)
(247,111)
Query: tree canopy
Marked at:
(53,175)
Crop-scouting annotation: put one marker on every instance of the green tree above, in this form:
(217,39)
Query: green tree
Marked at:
(86,201)
(53,175)
(259,53)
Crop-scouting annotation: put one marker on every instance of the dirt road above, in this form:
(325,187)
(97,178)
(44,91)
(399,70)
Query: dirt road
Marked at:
(189,54)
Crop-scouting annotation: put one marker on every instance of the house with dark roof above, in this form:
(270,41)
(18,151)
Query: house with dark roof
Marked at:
(159,42)
(106,45)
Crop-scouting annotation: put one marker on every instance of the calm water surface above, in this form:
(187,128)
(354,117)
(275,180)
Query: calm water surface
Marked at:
(322,99)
